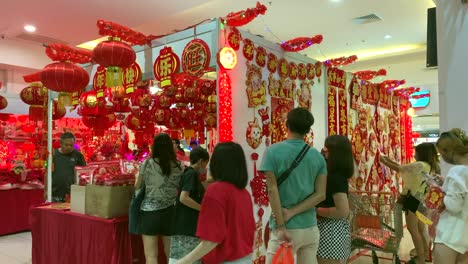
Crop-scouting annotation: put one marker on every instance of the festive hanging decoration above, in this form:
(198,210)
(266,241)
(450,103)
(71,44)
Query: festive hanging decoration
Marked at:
(370,93)
(261,56)
(225,107)
(354,93)
(369,75)
(342,61)
(255,86)
(196,58)
(254,134)
(343,110)
(318,70)
(391,85)
(293,71)
(332,111)
(131,76)
(406,92)
(310,70)
(283,68)
(227,58)
(241,18)
(280,108)
(302,71)
(234,38)
(272,63)
(61,52)
(166,65)
(266,125)
(301,43)
(111,29)
(99,124)
(99,81)
(35,96)
(249,49)
(304,95)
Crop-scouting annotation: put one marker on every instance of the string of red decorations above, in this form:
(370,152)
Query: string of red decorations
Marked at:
(111,29)
(243,17)
(369,75)
(62,53)
(391,85)
(301,43)
(225,107)
(342,61)
(406,92)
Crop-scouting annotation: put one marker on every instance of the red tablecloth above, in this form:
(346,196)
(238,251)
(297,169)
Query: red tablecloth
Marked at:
(64,237)
(15,205)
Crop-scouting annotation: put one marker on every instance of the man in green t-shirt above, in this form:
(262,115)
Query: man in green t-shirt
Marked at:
(65,159)
(293,203)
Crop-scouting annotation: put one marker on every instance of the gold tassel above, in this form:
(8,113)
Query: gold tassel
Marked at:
(113,76)
(64,99)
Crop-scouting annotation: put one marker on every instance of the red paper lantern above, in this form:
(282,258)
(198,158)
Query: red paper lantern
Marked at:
(99,124)
(64,77)
(114,53)
(207,87)
(161,116)
(211,120)
(35,96)
(3,103)
(90,105)
(162,100)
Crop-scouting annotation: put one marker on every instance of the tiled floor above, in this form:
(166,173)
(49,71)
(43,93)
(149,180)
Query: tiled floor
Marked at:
(16,249)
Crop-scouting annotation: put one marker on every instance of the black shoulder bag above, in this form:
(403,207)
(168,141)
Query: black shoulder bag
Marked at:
(284,176)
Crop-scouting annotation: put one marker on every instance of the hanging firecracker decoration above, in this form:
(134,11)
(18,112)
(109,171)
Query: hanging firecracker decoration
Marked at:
(301,43)
(196,58)
(249,49)
(131,76)
(241,18)
(166,65)
(3,103)
(234,38)
(63,75)
(342,61)
(225,107)
(318,69)
(258,184)
(369,75)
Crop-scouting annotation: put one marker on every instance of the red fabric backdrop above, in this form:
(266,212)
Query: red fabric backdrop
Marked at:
(15,205)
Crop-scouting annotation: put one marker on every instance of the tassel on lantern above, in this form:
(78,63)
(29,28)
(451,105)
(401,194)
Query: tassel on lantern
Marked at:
(36,113)
(113,76)
(64,99)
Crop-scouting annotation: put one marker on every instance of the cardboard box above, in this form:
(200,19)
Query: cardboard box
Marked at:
(108,201)
(78,199)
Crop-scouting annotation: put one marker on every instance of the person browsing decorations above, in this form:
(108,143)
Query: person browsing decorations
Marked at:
(414,190)
(160,176)
(333,222)
(293,203)
(451,242)
(226,224)
(188,206)
(64,161)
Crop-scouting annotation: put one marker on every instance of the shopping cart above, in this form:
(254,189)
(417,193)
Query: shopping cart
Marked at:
(376,223)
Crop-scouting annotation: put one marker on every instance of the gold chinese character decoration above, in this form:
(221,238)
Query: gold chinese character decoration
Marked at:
(196,58)
(131,76)
(166,65)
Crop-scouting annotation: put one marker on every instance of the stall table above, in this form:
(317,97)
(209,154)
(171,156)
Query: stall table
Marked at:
(15,205)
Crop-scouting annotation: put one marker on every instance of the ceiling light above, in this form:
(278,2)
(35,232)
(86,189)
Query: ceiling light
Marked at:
(30,28)
(387,36)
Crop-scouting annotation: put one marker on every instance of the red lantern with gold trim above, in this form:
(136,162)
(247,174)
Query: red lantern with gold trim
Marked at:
(35,96)
(162,100)
(99,124)
(211,120)
(90,105)
(64,77)
(211,104)
(161,116)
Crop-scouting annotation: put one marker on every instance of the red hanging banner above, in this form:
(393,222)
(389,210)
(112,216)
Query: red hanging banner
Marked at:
(131,76)
(336,77)
(343,108)
(332,108)
(99,81)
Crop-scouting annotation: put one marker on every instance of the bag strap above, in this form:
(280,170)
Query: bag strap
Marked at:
(295,163)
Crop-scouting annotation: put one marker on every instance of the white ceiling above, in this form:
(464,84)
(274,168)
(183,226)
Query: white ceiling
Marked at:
(74,21)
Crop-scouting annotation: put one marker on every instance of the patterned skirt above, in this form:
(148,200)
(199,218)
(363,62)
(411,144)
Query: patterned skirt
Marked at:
(181,246)
(335,238)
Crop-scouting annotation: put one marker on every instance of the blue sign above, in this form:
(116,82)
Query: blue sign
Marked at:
(421,102)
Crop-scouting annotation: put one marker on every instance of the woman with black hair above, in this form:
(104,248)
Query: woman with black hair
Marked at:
(334,226)
(226,224)
(414,190)
(160,176)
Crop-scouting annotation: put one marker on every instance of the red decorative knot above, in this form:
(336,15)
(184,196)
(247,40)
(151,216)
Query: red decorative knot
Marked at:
(260,212)
(254,156)
(259,190)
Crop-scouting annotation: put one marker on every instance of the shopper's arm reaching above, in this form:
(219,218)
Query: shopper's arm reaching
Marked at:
(201,250)
(186,200)
(390,163)
(311,201)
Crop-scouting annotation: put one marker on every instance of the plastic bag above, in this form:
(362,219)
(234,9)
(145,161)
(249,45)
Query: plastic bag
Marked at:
(430,209)
(284,255)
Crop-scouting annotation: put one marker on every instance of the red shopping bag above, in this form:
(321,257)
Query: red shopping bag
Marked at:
(284,255)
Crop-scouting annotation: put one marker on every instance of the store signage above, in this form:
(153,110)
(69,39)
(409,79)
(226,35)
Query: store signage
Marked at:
(420,99)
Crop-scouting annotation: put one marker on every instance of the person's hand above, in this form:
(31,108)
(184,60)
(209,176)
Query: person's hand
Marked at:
(382,158)
(287,214)
(283,235)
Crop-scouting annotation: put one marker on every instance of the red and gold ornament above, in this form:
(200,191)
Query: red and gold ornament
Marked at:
(234,38)
(293,71)
(196,58)
(249,49)
(302,71)
(272,63)
(166,65)
(241,18)
(131,75)
(261,56)
(283,68)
